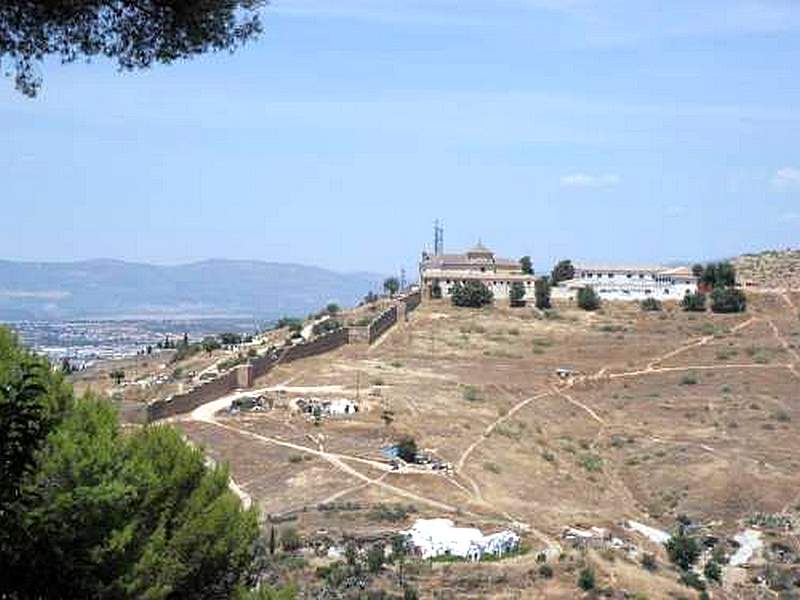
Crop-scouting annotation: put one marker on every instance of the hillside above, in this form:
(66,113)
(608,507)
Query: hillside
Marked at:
(770,269)
(668,415)
(110,289)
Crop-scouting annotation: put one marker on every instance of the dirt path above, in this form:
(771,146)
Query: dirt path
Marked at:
(493,425)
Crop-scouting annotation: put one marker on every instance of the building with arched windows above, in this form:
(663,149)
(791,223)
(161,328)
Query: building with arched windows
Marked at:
(438,273)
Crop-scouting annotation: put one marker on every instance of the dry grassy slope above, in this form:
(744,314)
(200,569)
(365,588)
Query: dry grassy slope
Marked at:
(770,269)
(674,413)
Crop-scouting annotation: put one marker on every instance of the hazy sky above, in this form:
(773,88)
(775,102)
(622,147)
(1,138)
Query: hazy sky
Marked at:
(609,130)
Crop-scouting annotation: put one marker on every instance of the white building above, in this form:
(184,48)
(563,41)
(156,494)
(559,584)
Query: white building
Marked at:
(615,282)
(442,271)
(440,537)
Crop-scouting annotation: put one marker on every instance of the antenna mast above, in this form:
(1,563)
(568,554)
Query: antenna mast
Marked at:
(438,238)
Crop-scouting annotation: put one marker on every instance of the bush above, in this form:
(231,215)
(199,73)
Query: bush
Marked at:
(692,580)
(712,571)
(586,579)
(694,302)
(728,300)
(471,394)
(473,294)
(517,294)
(689,379)
(651,305)
(588,299)
(649,562)
(546,571)
(290,540)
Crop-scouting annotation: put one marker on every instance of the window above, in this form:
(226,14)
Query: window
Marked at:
(610,275)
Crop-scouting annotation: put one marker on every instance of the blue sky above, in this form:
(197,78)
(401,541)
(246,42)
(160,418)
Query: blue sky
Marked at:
(608,130)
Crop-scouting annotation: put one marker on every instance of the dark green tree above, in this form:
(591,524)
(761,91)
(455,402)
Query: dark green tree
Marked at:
(134,33)
(694,302)
(117,375)
(728,300)
(542,289)
(33,401)
(391,285)
(517,294)
(563,271)
(376,556)
(682,549)
(721,274)
(210,343)
(697,270)
(588,299)
(472,294)
(230,339)
(128,516)
(332,308)
(407,449)
(525,265)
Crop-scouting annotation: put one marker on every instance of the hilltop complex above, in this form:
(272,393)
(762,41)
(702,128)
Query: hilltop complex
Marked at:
(439,273)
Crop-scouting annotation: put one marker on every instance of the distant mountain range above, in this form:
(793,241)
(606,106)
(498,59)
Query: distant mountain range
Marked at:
(113,289)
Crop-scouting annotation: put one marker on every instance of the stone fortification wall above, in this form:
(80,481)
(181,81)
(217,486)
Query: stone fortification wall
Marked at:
(382,323)
(319,345)
(243,375)
(188,401)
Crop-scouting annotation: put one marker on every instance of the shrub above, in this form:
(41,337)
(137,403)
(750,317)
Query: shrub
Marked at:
(649,562)
(728,300)
(546,571)
(591,462)
(712,571)
(471,393)
(586,579)
(651,305)
(290,540)
(692,580)
(517,294)
(472,294)
(694,302)
(689,379)
(588,299)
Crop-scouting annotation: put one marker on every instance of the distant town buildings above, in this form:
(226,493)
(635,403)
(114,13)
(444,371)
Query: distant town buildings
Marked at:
(618,282)
(438,273)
